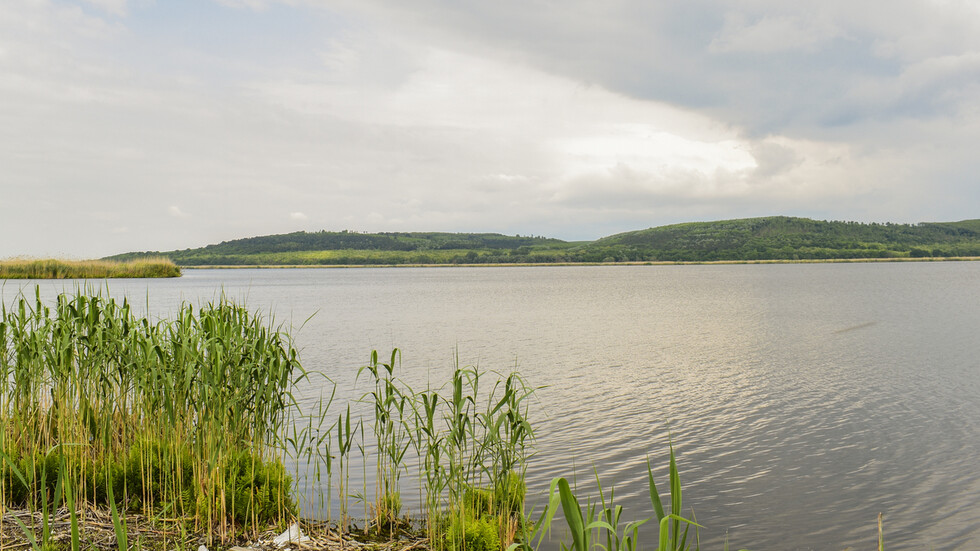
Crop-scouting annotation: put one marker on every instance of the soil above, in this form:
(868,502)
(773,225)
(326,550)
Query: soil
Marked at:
(96,533)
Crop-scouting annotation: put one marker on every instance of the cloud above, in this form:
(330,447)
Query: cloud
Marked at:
(113,7)
(773,34)
(174,211)
(257,5)
(444,115)
(298,216)
(768,66)
(936,86)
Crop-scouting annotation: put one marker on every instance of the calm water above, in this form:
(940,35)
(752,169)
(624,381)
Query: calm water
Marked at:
(802,399)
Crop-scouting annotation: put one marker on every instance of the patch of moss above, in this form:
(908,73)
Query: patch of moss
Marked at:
(155,474)
(470,534)
(257,489)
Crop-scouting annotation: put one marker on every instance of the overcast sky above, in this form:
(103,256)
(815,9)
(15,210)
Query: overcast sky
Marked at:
(163,124)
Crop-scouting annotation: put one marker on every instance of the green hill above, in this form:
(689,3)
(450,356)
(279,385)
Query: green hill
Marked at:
(345,247)
(770,238)
(786,238)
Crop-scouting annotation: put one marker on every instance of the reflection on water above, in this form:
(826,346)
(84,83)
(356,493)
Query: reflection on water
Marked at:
(801,399)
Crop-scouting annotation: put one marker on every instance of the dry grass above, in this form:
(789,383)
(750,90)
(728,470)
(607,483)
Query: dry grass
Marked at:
(148,534)
(86,269)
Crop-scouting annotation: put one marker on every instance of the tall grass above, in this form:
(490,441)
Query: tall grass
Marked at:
(469,439)
(81,269)
(181,417)
(189,419)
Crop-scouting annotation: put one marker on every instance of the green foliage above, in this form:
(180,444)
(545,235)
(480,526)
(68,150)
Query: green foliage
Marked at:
(469,533)
(390,432)
(340,248)
(670,523)
(255,489)
(751,239)
(506,497)
(786,238)
(181,415)
(600,520)
(471,446)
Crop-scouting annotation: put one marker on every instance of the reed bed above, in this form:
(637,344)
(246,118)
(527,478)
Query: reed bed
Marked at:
(87,269)
(177,419)
(187,424)
(467,442)
(188,421)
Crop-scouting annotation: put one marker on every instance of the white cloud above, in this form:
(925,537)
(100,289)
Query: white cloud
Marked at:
(504,118)
(773,34)
(114,7)
(298,216)
(257,5)
(175,211)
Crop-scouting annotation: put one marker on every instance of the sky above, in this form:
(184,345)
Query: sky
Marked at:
(133,125)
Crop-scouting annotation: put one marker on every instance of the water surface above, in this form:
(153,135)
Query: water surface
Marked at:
(802,399)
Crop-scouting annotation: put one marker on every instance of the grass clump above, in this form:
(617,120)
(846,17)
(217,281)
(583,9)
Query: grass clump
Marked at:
(471,533)
(470,448)
(87,269)
(180,416)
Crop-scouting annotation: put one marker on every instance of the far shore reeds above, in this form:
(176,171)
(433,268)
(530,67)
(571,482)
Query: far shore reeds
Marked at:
(27,268)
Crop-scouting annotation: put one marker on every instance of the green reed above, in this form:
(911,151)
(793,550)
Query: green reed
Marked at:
(187,421)
(391,438)
(587,525)
(79,269)
(470,457)
(181,415)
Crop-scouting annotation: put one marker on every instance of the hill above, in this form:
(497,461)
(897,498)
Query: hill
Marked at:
(787,238)
(769,238)
(346,247)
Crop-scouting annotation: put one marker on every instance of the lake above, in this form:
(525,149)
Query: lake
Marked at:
(801,399)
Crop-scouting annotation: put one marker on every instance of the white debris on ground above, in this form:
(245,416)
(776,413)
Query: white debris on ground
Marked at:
(292,535)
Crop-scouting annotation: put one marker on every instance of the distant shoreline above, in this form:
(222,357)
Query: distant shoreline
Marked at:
(54,268)
(552,264)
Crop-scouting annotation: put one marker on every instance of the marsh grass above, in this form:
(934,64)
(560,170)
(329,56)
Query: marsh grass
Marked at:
(181,417)
(87,269)
(469,439)
(187,421)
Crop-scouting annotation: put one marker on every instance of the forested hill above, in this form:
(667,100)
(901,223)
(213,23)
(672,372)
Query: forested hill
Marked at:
(781,237)
(347,247)
(770,238)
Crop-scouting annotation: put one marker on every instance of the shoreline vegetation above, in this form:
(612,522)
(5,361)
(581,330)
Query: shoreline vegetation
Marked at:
(126,434)
(149,267)
(551,264)
(775,238)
